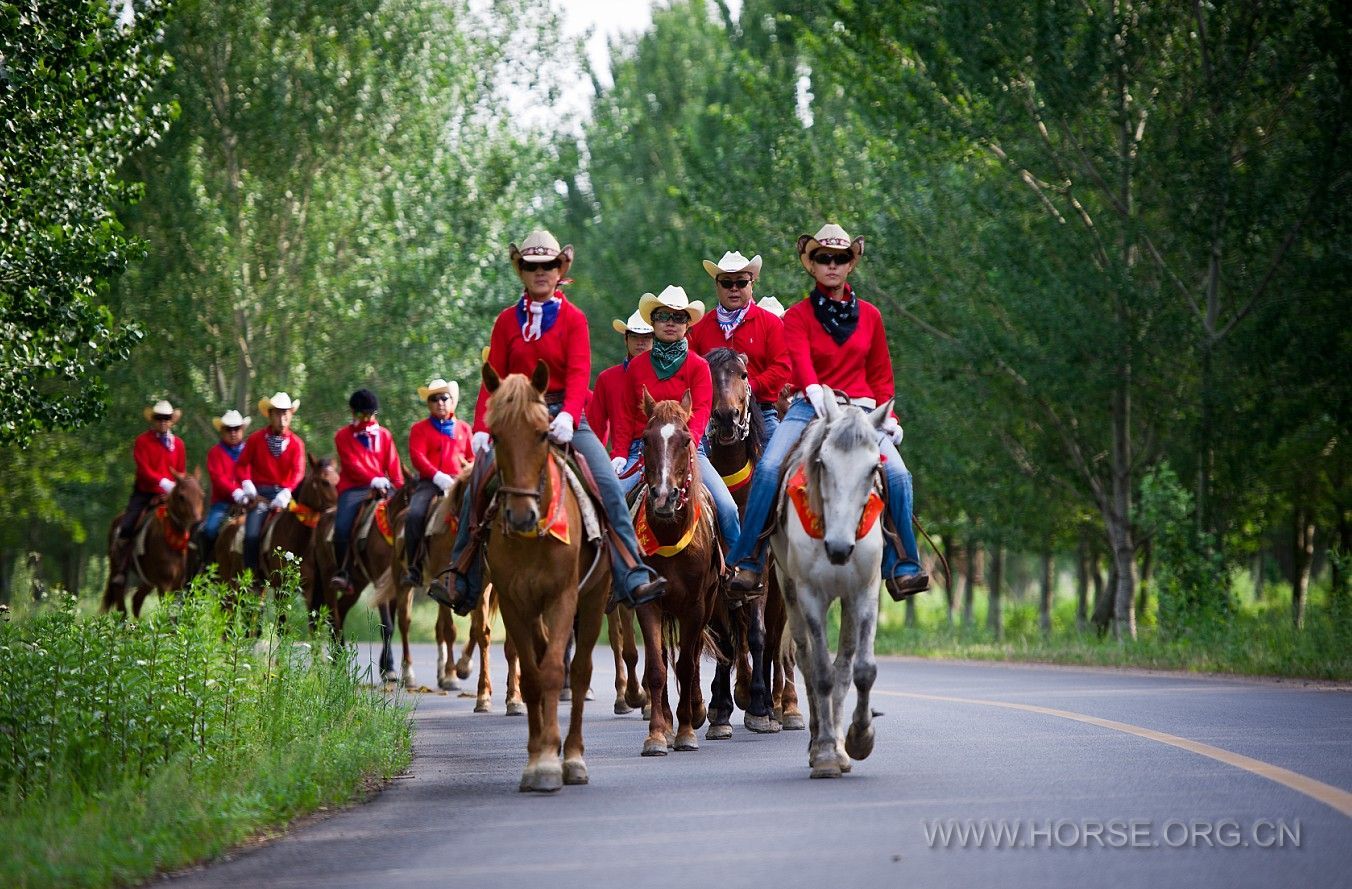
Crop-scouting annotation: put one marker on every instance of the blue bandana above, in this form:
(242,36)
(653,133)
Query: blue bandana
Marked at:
(232,450)
(167,439)
(445,427)
(535,318)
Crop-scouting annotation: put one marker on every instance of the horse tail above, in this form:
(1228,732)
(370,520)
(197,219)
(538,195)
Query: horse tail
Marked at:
(710,646)
(386,588)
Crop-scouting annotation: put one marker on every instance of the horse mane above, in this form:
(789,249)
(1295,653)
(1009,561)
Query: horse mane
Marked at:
(755,439)
(514,403)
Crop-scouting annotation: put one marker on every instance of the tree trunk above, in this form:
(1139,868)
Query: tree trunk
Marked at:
(6,575)
(72,569)
(997,575)
(1302,556)
(1259,576)
(1082,585)
(1105,601)
(972,552)
(1147,571)
(1045,594)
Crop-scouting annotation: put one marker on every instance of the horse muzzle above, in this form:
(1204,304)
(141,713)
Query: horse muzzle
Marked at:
(837,552)
(522,521)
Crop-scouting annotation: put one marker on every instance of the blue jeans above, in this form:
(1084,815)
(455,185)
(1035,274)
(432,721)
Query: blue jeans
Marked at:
(253,525)
(588,447)
(729,525)
(765,492)
(349,503)
(211,525)
(770,415)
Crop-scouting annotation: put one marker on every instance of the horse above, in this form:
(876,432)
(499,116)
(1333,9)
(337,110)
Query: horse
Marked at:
(629,692)
(831,503)
(550,581)
(291,530)
(159,557)
(676,525)
(765,691)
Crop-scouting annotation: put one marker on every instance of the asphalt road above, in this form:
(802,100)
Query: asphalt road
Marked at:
(1108,802)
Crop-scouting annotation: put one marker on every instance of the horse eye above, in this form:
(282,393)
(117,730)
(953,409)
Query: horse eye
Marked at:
(744,375)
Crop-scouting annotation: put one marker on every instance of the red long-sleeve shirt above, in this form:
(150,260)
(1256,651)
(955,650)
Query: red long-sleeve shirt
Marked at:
(693,376)
(860,367)
(565,348)
(258,465)
(360,464)
(760,337)
(221,469)
(154,461)
(607,410)
(433,452)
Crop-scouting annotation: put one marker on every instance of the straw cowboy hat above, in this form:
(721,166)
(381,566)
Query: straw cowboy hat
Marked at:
(541,246)
(772,305)
(162,408)
(230,418)
(280,401)
(828,237)
(733,262)
(674,298)
(437,386)
(635,325)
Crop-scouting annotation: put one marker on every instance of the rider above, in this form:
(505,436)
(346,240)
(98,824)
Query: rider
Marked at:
(160,457)
(544,325)
(608,404)
(221,460)
(836,342)
(740,323)
(667,372)
(439,447)
(370,462)
(271,466)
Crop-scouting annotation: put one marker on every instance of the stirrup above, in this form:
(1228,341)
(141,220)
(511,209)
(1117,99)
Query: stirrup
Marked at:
(642,595)
(905,586)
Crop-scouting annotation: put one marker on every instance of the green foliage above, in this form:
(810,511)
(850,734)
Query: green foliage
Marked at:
(1191,582)
(75,102)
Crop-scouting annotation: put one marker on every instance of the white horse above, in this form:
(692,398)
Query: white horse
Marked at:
(839,458)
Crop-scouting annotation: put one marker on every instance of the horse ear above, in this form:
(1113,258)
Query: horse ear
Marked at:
(314,464)
(540,378)
(685,403)
(178,476)
(878,416)
(648,403)
(491,378)
(832,408)
(197,473)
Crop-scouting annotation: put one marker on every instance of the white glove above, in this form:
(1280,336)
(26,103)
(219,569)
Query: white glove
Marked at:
(380,483)
(816,396)
(479,442)
(617,464)
(247,486)
(238,495)
(282,499)
(443,481)
(561,430)
(166,485)
(893,430)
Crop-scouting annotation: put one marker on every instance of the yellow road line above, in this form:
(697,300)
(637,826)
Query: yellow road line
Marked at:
(1325,793)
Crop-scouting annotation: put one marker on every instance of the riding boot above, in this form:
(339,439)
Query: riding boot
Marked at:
(117,561)
(413,576)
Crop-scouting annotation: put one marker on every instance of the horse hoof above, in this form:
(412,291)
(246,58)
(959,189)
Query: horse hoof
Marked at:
(621,708)
(574,771)
(516,708)
(636,700)
(776,727)
(859,744)
(448,683)
(758,724)
(671,739)
(777,714)
(389,676)
(718,732)
(685,740)
(826,770)
(462,671)
(589,696)
(482,706)
(527,779)
(548,778)
(566,694)
(793,722)
(655,747)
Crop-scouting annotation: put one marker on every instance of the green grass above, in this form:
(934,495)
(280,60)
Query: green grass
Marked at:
(131,747)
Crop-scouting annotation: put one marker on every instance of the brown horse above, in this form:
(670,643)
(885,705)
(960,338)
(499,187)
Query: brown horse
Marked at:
(680,543)
(629,692)
(166,531)
(765,691)
(549,580)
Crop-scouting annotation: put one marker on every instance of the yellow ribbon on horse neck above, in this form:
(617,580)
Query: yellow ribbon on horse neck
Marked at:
(739,479)
(648,543)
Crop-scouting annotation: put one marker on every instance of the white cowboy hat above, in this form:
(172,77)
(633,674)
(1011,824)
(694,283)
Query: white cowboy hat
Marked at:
(162,408)
(635,325)
(674,298)
(438,386)
(772,305)
(231,418)
(541,246)
(733,262)
(828,237)
(280,401)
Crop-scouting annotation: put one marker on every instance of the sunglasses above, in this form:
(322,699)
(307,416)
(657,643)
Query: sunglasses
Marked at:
(232,428)
(670,318)
(833,258)
(734,283)
(442,397)
(550,266)
(162,418)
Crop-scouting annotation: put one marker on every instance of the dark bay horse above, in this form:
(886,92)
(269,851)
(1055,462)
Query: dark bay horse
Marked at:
(766,691)
(677,534)
(166,531)
(550,581)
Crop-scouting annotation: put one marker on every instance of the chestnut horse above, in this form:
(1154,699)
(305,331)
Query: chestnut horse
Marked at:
(677,533)
(766,691)
(550,581)
(166,530)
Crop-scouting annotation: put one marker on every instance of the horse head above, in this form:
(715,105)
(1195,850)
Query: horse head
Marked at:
(668,454)
(318,490)
(840,455)
(185,502)
(520,422)
(732,420)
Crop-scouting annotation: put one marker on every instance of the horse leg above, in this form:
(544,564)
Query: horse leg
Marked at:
(617,652)
(741,694)
(530,688)
(588,629)
(553,632)
(445,643)
(478,632)
(720,690)
(689,707)
(859,739)
(654,678)
(786,690)
(387,673)
(809,630)
(842,670)
(138,599)
(481,621)
(634,693)
(405,622)
(757,714)
(515,707)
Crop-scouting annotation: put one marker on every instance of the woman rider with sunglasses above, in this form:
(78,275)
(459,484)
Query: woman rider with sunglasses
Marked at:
(835,342)
(438,447)
(544,325)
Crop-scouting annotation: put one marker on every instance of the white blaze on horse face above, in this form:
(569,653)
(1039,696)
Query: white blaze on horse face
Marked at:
(667,431)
